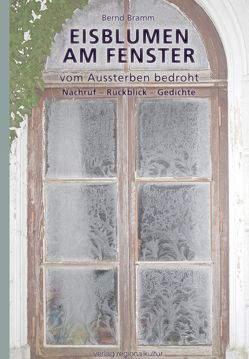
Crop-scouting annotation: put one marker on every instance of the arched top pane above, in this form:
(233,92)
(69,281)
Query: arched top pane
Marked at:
(177,34)
(108,35)
(89,18)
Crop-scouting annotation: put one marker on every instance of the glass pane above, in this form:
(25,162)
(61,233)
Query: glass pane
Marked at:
(81,307)
(81,222)
(81,138)
(89,49)
(174,222)
(170,29)
(174,306)
(173,138)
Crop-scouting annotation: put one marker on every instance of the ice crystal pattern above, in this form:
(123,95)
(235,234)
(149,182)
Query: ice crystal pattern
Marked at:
(81,222)
(173,138)
(174,222)
(81,307)
(174,307)
(81,138)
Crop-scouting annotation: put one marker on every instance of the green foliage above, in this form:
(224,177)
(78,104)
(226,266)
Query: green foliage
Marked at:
(27,58)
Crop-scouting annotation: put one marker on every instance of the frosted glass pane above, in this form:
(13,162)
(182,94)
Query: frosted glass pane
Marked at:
(174,138)
(174,306)
(91,52)
(81,222)
(174,222)
(88,18)
(81,307)
(81,138)
(166,18)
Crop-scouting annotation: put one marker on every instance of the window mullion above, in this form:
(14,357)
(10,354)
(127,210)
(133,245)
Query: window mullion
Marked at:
(123,225)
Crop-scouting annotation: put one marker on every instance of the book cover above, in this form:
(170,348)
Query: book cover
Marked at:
(120,168)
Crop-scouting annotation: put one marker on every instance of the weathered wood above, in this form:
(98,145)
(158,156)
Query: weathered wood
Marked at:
(35,223)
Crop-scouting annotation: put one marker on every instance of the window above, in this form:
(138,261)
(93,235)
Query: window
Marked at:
(127,215)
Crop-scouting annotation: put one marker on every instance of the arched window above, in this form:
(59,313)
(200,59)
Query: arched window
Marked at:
(128,187)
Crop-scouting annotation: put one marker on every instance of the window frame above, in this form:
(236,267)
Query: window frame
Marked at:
(216,84)
(127,225)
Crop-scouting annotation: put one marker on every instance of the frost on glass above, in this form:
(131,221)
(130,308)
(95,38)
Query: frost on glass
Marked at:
(81,222)
(88,18)
(173,138)
(174,222)
(81,307)
(80,138)
(174,306)
(160,14)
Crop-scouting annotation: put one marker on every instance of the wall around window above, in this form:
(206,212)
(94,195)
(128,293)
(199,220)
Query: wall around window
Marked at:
(230,18)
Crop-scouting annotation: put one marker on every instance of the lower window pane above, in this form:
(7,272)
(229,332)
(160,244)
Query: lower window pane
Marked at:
(174,306)
(81,306)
